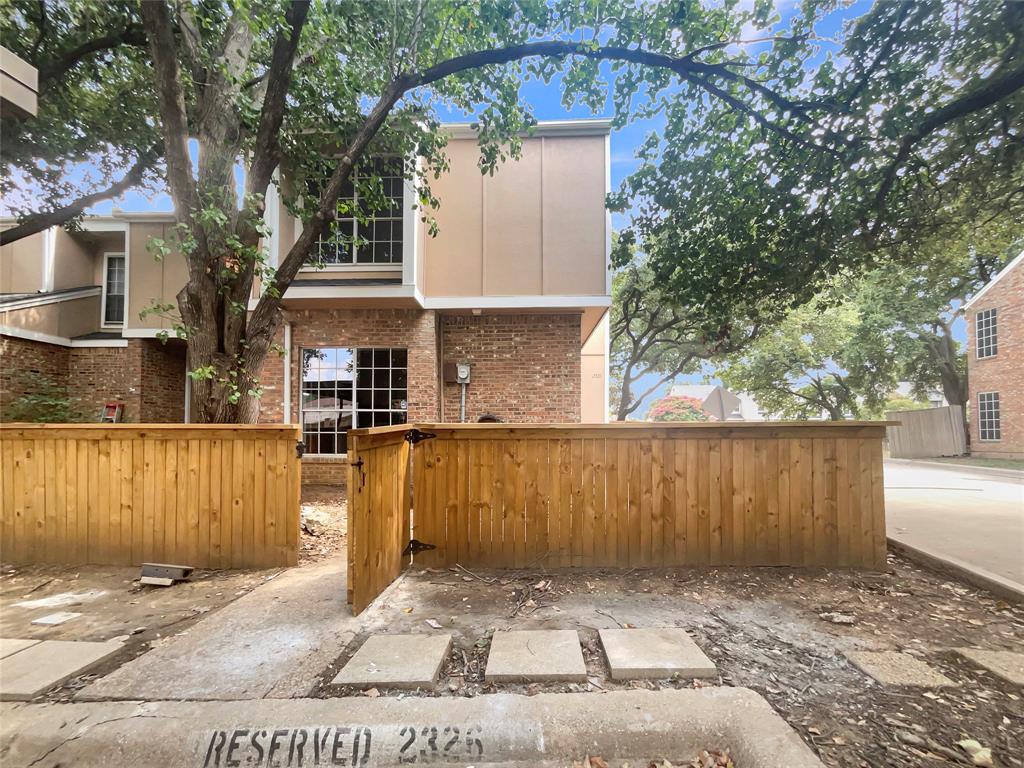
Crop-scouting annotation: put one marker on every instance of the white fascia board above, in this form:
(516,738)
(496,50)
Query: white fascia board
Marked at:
(147,333)
(591,126)
(1004,271)
(50,298)
(45,338)
(345,292)
(104,224)
(99,342)
(516,302)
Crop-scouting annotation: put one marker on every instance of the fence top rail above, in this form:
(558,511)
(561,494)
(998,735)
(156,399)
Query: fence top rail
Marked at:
(137,431)
(623,429)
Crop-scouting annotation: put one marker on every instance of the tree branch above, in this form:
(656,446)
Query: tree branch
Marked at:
(37,222)
(131,35)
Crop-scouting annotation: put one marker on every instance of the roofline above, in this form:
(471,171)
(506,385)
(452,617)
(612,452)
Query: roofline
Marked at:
(1004,271)
(586,126)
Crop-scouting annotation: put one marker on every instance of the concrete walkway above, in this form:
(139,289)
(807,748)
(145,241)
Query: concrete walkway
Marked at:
(497,729)
(969,520)
(273,642)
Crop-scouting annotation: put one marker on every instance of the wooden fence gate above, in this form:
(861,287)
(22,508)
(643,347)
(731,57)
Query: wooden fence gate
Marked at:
(619,495)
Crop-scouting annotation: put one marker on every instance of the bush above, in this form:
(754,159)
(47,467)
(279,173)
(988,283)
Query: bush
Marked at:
(43,402)
(677,408)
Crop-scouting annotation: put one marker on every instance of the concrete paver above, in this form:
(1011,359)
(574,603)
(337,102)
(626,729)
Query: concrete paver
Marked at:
(396,661)
(971,521)
(549,729)
(43,665)
(10,645)
(273,642)
(655,652)
(1006,664)
(895,668)
(536,656)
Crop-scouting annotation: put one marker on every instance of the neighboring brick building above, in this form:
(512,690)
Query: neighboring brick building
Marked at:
(515,285)
(995,365)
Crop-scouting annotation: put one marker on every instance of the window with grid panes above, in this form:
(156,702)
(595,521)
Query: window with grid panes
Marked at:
(344,388)
(988,415)
(113,289)
(373,237)
(987,333)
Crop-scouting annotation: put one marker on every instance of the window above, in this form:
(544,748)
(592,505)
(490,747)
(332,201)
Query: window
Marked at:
(377,238)
(345,388)
(113,289)
(988,415)
(987,332)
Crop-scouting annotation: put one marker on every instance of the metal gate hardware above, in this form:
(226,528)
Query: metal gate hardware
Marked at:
(362,475)
(300,449)
(415,546)
(415,436)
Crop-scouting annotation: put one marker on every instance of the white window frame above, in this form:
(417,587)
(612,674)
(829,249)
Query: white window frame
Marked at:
(355,379)
(103,301)
(986,342)
(993,424)
(408,195)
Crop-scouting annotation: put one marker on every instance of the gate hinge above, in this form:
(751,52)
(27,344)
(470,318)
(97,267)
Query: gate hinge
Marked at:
(415,436)
(415,546)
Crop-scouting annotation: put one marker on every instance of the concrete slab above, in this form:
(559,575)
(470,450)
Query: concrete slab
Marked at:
(1006,664)
(396,661)
(654,653)
(9,646)
(273,642)
(895,668)
(536,656)
(549,729)
(34,670)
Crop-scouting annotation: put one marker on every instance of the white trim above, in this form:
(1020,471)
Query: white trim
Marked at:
(130,216)
(409,238)
(589,126)
(345,292)
(272,215)
(287,372)
(352,268)
(188,396)
(607,321)
(49,257)
(39,300)
(1002,273)
(45,338)
(515,302)
(89,343)
(103,288)
(104,225)
(146,333)
(607,215)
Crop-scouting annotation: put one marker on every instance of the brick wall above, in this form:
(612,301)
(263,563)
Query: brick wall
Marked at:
(1003,372)
(30,367)
(100,375)
(524,368)
(163,381)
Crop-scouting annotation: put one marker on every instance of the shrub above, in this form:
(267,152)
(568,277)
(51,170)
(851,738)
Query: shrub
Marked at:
(677,408)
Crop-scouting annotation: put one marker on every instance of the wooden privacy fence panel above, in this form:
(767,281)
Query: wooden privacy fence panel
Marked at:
(636,496)
(927,432)
(378,511)
(209,496)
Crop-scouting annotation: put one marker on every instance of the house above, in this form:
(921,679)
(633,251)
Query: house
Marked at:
(515,286)
(714,398)
(19,86)
(995,364)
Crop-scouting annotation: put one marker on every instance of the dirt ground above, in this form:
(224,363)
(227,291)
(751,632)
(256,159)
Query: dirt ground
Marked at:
(324,523)
(764,629)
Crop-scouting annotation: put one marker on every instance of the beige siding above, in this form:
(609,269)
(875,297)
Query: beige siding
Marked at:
(536,227)
(149,279)
(73,263)
(66,319)
(22,265)
(594,374)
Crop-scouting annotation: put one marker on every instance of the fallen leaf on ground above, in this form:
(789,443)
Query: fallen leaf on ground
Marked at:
(372,693)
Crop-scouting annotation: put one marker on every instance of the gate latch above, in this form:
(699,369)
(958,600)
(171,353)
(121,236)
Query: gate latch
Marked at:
(300,449)
(362,475)
(415,546)
(415,436)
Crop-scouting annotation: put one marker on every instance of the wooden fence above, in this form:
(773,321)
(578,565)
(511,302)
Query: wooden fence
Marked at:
(927,432)
(635,495)
(378,499)
(209,496)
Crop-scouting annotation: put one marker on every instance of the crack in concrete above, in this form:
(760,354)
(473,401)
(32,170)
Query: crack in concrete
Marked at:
(88,728)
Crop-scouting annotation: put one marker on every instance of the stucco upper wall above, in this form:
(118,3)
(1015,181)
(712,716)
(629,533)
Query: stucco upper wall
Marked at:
(66,319)
(536,227)
(149,279)
(22,265)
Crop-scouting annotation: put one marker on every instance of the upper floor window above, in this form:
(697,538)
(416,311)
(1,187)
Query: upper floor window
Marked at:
(987,330)
(988,415)
(113,288)
(368,227)
(344,388)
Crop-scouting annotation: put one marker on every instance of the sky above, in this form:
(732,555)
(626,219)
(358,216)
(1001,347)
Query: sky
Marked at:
(545,101)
